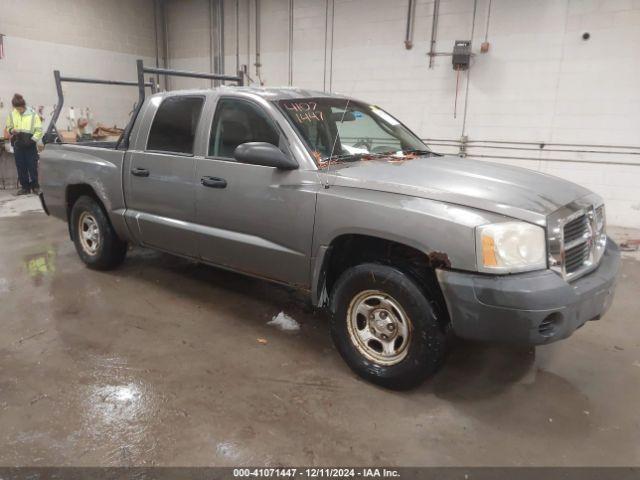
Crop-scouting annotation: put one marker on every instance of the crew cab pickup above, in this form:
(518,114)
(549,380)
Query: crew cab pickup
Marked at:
(403,246)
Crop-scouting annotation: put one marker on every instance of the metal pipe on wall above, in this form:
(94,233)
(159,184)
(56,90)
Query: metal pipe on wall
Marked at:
(248,33)
(237,35)
(466,95)
(258,64)
(470,145)
(220,31)
(326,31)
(165,24)
(290,42)
(573,147)
(580,149)
(212,61)
(486,33)
(561,160)
(434,32)
(216,38)
(333,23)
(411,12)
(155,33)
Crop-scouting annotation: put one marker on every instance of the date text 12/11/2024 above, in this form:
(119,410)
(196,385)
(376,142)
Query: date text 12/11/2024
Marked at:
(315,473)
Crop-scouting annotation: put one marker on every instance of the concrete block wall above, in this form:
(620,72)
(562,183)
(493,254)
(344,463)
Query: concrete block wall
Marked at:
(188,26)
(540,82)
(89,38)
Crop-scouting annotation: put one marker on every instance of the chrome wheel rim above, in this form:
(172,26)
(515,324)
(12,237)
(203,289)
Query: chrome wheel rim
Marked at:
(89,233)
(378,327)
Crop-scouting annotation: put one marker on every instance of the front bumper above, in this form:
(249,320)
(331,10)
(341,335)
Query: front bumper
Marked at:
(529,308)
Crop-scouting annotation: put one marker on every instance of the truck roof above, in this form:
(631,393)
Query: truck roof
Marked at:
(268,93)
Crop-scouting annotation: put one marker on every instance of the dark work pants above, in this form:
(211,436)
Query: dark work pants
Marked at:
(27,165)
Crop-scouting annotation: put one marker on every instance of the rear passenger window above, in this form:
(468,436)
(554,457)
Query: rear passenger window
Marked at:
(237,122)
(174,126)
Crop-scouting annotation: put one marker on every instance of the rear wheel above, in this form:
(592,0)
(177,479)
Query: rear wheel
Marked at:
(385,327)
(95,240)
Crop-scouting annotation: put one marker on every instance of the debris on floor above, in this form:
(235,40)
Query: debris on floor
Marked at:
(12,206)
(630,245)
(627,239)
(284,322)
(262,341)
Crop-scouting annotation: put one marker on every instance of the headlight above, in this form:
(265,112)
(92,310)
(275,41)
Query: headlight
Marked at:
(510,247)
(601,234)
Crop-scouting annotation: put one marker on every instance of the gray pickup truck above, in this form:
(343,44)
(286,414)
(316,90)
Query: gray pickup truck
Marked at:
(405,247)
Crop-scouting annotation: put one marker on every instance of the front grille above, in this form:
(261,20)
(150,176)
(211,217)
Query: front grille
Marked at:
(576,243)
(575,229)
(577,239)
(575,257)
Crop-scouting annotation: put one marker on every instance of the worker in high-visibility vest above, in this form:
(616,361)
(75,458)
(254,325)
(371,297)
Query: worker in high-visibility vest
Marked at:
(25,127)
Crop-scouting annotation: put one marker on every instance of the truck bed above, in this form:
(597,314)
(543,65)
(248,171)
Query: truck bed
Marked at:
(97,164)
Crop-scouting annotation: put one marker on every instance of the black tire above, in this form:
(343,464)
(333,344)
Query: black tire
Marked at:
(426,347)
(110,251)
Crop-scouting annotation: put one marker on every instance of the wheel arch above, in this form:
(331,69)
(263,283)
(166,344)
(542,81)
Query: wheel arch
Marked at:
(348,250)
(76,190)
(71,195)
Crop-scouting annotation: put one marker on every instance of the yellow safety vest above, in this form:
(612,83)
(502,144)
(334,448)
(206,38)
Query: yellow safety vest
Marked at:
(27,122)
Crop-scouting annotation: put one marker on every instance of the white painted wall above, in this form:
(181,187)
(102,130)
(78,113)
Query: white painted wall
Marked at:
(91,38)
(540,82)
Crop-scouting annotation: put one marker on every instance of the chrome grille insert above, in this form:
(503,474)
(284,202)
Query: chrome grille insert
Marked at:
(576,237)
(575,257)
(576,229)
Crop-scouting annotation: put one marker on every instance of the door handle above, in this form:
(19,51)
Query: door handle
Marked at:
(213,182)
(140,172)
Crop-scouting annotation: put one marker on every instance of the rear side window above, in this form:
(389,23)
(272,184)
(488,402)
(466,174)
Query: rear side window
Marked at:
(174,126)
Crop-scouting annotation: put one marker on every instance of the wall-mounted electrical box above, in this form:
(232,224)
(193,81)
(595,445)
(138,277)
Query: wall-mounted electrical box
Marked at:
(461,54)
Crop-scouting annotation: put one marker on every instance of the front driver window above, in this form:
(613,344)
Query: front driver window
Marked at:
(237,122)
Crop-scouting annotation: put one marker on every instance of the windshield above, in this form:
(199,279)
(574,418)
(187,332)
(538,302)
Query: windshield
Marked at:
(341,129)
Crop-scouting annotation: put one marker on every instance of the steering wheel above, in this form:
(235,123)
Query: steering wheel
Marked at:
(383,149)
(363,143)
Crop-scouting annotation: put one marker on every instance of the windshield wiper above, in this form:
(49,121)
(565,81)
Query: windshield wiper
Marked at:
(417,151)
(354,157)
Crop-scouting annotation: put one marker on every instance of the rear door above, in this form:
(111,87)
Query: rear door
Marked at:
(159,176)
(254,219)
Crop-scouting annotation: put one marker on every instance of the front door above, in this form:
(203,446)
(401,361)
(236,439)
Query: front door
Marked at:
(254,219)
(160,178)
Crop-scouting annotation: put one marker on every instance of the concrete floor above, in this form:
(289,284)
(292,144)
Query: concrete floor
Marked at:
(158,363)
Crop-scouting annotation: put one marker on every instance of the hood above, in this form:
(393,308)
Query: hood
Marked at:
(512,191)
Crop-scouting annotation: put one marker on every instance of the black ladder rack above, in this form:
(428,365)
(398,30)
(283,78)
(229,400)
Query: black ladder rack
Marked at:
(52,132)
(124,139)
(123,142)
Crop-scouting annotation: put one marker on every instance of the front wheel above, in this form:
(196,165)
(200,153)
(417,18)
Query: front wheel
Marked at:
(385,327)
(96,242)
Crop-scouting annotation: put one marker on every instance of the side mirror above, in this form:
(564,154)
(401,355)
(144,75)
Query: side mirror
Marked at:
(265,154)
